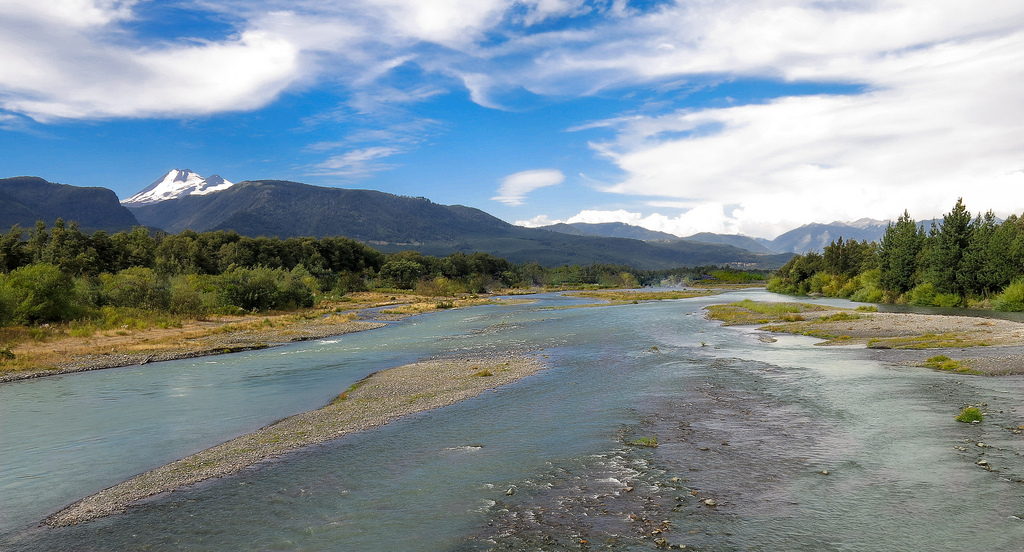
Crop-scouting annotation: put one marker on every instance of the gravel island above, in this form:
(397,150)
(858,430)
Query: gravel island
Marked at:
(380,398)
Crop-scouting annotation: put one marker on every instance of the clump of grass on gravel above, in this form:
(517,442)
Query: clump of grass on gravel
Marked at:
(747,312)
(946,340)
(969,415)
(943,362)
(646,441)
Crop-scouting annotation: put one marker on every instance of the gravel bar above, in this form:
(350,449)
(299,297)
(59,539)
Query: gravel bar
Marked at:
(380,398)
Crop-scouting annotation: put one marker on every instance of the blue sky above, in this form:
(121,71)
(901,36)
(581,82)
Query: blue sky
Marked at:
(745,116)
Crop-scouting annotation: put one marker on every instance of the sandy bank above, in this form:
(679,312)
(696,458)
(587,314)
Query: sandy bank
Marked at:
(80,355)
(377,400)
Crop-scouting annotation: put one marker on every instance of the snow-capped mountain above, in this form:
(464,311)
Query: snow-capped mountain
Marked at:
(175,184)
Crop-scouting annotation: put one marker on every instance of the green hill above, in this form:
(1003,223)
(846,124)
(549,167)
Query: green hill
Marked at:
(27,199)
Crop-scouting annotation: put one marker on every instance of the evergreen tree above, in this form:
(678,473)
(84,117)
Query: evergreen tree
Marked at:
(978,273)
(945,269)
(898,253)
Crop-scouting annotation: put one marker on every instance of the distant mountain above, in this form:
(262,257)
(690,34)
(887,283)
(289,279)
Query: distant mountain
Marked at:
(610,230)
(743,242)
(815,237)
(811,237)
(27,199)
(287,209)
(176,184)
(392,223)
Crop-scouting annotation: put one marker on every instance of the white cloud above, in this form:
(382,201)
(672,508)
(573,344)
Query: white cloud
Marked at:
(938,114)
(538,221)
(514,187)
(359,162)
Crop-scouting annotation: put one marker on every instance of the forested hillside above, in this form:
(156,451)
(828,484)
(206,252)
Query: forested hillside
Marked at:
(27,199)
(960,261)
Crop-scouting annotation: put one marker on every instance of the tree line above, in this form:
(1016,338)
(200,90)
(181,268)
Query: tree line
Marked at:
(961,261)
(61,274)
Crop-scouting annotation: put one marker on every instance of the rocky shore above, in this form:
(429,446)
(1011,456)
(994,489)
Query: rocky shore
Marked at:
(375,401)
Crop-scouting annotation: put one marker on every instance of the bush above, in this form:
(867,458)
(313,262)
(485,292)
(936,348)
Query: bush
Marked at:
(136,287)
(38,293)
(259,289)
(923,295)
(1012,298)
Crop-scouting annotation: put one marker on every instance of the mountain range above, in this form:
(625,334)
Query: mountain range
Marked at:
(182,199)
(810,237)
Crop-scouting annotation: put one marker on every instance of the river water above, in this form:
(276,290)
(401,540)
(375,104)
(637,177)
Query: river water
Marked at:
(542,464)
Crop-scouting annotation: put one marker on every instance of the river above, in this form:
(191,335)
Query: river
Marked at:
(544,463)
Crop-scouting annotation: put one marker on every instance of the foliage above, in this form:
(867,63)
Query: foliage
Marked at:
(970,414)
(37,293)
(1012,298)
(960,261)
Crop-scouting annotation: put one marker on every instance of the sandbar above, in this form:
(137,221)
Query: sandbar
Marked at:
(378,399)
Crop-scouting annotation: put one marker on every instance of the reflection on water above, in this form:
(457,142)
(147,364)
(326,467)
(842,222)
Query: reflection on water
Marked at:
(540,464)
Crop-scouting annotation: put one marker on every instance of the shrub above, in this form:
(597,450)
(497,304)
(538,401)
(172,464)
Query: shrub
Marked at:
(923,295)
(136,287)
(1012,298)
(38,293)
(259,289)
(970,414)
(948,300)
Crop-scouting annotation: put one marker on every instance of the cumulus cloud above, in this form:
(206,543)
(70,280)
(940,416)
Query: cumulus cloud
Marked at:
(941,124)
(515,187)
(933,110)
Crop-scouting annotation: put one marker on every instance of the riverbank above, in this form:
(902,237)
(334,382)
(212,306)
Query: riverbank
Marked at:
(60,351)
(380,398)
(979,345)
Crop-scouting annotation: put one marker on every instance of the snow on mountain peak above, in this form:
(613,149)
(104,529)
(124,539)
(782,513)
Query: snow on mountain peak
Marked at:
(175,184)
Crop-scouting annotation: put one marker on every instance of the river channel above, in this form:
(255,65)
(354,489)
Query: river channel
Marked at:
(762,445)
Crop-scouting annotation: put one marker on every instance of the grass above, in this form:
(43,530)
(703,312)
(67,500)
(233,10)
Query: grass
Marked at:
(747,312)
(926,341)
(646,441)
(867,308)
(838,317)
(943,362)
(344,394)
(969,415)
(485,373)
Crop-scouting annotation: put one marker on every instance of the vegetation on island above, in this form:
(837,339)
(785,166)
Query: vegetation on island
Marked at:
(962,261)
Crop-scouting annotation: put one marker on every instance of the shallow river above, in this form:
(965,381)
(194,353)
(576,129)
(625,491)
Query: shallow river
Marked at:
(542,464)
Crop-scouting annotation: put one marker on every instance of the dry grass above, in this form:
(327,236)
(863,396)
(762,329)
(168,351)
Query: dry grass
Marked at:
(61,348)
